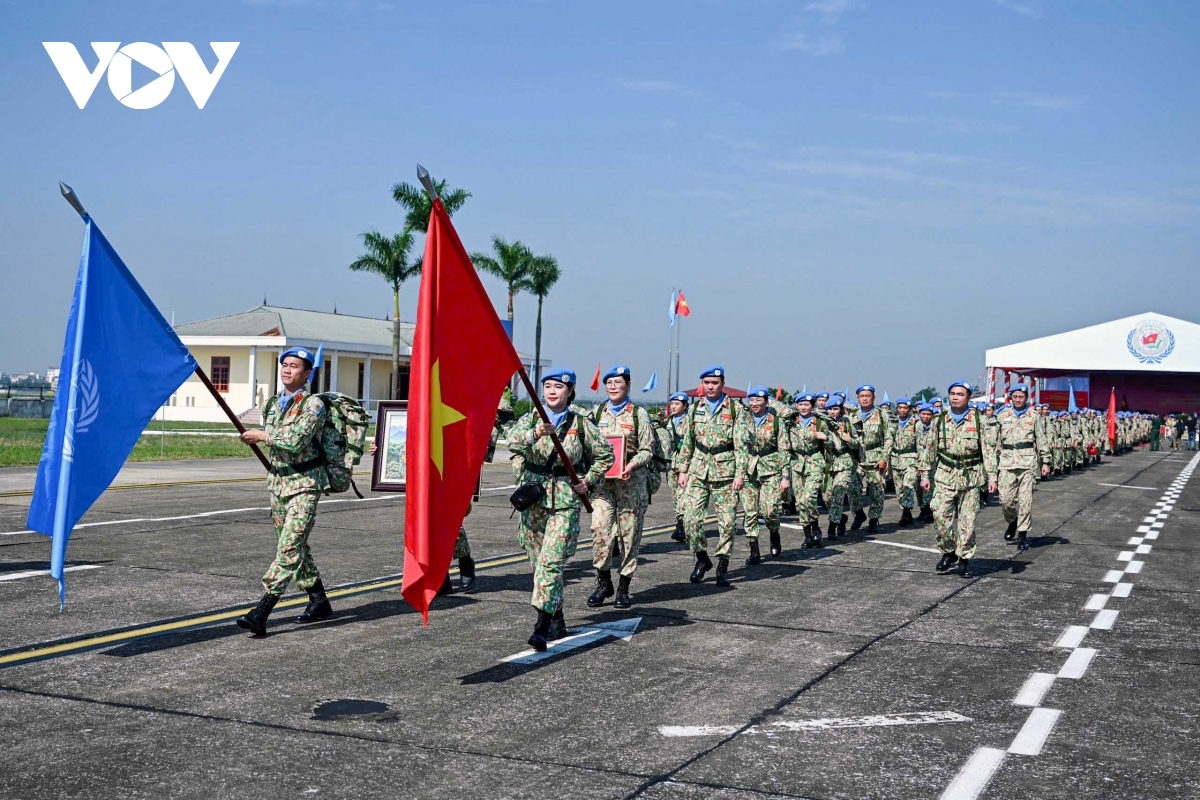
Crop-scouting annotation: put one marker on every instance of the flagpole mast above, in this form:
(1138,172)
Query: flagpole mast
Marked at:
(431,190)
(670,341)
(237,423)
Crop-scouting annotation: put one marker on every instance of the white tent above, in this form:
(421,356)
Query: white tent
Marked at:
(1142,343)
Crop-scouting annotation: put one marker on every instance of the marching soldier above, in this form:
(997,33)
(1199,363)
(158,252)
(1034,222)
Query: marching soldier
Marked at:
(808,436)
(619,505)
(924,432)
(842,448)
(959,456)
(712,466)
(1022,448)
(673,424)
(768,455)
(549,529)
(904,459)
(875,441)
(292,438)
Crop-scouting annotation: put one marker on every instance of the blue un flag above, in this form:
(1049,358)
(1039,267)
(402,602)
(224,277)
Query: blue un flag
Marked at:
(121,361)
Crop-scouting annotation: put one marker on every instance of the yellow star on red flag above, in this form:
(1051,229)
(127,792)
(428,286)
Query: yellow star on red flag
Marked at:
(440,415)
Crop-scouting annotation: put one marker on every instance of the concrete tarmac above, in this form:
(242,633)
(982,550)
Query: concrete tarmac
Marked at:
(1071,670)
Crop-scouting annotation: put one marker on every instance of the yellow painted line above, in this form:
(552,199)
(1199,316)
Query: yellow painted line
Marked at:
(188,623)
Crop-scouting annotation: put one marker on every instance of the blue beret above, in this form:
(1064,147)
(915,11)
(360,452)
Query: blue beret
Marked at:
(925,407)
(302,353)
(713,371)
(617,371)
(866,387)
(835,401)
(759,391)
(801,397)
(822,394)
(935,400)
(561,374)
(903,401)
(886,403)
(963,384)
(1020,387)
(680,396)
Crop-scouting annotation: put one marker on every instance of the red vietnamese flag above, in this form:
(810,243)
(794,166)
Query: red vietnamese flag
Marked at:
(461,362)
(681,306)
(596,380)
(1112,420)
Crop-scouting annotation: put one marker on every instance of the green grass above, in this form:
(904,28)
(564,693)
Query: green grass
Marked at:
(21,442)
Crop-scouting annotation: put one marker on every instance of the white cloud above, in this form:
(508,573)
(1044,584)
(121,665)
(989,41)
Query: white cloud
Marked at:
(818,46)
(832,8)
(1051,102)
(1020,8)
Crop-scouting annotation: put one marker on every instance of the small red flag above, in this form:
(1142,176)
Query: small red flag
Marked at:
(461,361)
(779,393)
(681,306)
(596,380)
(1112,420)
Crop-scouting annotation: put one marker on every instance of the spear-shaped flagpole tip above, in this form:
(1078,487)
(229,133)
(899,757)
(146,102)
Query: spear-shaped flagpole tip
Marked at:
(69,194)
(427,182)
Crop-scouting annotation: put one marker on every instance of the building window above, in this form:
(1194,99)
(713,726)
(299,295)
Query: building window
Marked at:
(361,372)
(219,372)
(328,377)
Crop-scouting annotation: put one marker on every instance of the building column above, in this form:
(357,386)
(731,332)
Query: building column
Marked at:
(333,370)
(366,398)
(253,376)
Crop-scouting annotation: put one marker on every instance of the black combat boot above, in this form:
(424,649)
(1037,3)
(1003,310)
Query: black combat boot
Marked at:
(542,627)
(604,588)
(816,534)
(832,532)
(776,544)
(983,498)
(623,600)
(926,514)
(318,607)
(255,620)
(679,535)
(808,537)
(1010,532)
(859,518)
(703,565)
(842,528)
(466,574)
(906,517)
(872,525)
(1022,540)
(946,562)
(722,570)
(558,626)
(964,568)
(447,587)
(752,560)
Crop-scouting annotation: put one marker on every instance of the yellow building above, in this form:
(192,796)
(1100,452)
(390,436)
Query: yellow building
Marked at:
(240,353)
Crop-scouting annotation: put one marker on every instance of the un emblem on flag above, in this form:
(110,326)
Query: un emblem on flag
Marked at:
(88,389)
(1150,342)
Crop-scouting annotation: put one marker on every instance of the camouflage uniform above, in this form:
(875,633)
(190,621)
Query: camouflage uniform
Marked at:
(959,456)
(842,463)
(295,482)
(768,453)
(875,441)
(670,436)
(619,507)
(904,460)
(1022,449)
(808,464)
(924,434)
(711,456)
(549,531)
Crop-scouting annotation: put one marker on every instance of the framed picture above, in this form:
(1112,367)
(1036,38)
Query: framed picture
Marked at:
(618,446)
(389,473)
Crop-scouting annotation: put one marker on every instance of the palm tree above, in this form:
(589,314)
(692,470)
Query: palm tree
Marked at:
(418,205)
(510,265)
(388,258)
(543,274)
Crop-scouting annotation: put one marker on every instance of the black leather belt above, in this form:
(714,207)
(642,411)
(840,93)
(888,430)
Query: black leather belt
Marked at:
(715,451)
(955,461)
(557,471)
(295,469)
(1021,446)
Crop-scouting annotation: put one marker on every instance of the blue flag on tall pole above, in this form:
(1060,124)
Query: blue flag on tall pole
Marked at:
(652,383)
(1071,406)
(121,362)
(674,302)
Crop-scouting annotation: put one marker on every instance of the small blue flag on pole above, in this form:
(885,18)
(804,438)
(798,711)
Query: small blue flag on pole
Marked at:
(317,364)
(121,362)
(652,383)
(1071,406)
(674,302)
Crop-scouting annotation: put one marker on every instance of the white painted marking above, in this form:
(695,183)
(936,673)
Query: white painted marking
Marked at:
(1072,636)
(203,514)
(1077,663)
(1113,576)
(1126,486)
(1168,507)
(905,546)
(1143,529)
(1104,620)
(1034,732)
(1125,555)
(499,488)
(1122,590)
(974,775)
(674,731)
(1096,602)
(1161,517)
(16,576)
(1156,526)
(1134,540)
(1135,567)
(1143,549)
(1034,690)
(790,525)
(1151,534)
(873,721)
(1149,520)
(621,629)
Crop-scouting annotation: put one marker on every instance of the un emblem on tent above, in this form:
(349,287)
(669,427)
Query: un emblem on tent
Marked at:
(1150,342)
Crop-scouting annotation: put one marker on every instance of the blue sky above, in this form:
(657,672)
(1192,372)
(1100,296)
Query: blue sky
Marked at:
(846,191)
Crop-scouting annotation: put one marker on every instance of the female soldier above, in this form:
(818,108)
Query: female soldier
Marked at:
(550,528)
(808,434)
(842,448)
